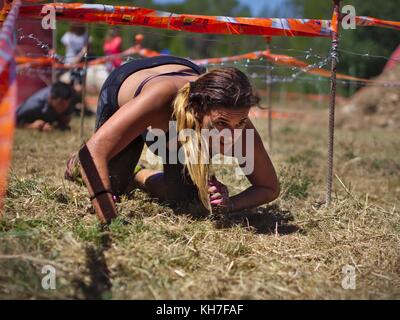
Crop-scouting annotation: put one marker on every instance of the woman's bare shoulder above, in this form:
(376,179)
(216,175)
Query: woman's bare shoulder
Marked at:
(150,108)
(161,90)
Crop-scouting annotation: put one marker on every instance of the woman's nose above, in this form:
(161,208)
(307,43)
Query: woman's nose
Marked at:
(232,128)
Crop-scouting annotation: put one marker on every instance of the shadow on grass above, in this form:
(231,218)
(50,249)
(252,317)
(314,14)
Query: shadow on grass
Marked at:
(99,285)
(261,220)
(269,220)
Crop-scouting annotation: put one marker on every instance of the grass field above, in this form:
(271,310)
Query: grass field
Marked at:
(294,248)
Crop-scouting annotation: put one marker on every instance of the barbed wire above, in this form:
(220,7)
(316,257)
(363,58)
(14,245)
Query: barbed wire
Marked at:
(308,54)
(272,79)
(283,80)
(365,55)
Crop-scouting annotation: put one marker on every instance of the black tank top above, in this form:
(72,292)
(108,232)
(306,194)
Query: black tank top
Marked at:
(186,73)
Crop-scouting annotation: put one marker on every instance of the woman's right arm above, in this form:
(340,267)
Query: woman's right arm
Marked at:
(128,122)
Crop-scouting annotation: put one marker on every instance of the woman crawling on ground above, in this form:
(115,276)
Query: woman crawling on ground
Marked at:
(143,97)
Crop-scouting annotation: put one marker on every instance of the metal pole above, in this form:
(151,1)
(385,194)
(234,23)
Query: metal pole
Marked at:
(269,96)
(334,61)
(54,40)
(83,107)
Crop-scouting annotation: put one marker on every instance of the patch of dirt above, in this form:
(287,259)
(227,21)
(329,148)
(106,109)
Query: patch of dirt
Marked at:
(373,106)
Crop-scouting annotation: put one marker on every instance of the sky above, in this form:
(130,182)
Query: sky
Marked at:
(255,5)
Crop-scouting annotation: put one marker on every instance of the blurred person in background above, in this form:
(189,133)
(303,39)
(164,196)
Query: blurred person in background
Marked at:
(76,42)
(47,109)
(112,46)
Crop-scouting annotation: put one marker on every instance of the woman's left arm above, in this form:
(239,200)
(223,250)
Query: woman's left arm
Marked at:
(264,182)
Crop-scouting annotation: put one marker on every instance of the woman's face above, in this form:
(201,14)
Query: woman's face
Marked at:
(225,121)
(223,118)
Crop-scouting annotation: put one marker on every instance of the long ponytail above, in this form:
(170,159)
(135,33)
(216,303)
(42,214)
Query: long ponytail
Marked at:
(195,147)
(224,87)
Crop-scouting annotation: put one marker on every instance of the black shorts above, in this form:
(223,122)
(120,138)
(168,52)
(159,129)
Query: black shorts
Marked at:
(179,185)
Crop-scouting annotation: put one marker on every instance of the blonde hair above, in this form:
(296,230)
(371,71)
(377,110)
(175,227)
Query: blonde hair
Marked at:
(195,147)
(227,87)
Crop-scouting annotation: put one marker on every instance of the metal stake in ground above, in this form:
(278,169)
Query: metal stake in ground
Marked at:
(269,95)
(83,107)
(334,61)
(54,42)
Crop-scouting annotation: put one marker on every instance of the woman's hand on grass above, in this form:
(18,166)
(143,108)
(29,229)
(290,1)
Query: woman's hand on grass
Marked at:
(47,127)
(219,194)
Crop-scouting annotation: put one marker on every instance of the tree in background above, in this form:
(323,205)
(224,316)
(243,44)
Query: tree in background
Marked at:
(372,40)
(179,43)
(376,41)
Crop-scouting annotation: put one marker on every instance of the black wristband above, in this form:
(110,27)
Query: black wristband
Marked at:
(100,193)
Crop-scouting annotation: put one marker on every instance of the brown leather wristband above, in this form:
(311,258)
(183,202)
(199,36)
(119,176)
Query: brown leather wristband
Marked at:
(100,193)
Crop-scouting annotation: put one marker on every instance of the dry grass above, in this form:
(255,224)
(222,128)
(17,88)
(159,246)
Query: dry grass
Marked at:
(292,249)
